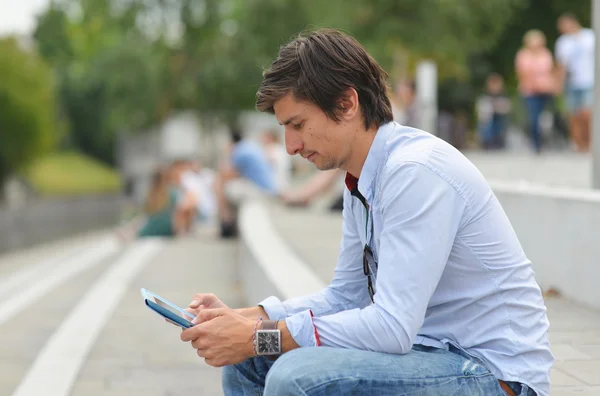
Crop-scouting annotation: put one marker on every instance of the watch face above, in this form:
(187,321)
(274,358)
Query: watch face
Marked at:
(268,342)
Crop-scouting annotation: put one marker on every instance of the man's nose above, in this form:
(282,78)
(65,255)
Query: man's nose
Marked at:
(293,142)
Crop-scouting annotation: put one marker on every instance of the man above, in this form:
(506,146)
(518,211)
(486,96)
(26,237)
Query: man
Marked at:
(575,56)
(407,91)
(245,173)
(432,294)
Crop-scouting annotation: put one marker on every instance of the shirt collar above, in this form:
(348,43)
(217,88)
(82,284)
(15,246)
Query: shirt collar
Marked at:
(372,163)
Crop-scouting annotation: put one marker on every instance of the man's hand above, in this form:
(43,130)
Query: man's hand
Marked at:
(202,301)
(221,336)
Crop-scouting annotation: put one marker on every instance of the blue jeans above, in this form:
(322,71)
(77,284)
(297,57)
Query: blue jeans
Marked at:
(492,132)
(425,371)
(535,104)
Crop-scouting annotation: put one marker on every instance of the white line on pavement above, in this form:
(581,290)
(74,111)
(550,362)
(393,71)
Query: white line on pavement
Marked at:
(27,275)
(72,266)
(59,362)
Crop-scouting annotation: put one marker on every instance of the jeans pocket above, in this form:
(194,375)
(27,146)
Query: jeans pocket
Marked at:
(460,351)
(472,368)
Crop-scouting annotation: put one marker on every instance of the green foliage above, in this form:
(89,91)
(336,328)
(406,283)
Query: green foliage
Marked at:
(443,30)
(124,66)
(226,66)
(110,73)
(28,126)
(69,174)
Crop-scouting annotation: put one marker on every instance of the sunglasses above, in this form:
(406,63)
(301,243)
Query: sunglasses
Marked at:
(367,251)
(367,259)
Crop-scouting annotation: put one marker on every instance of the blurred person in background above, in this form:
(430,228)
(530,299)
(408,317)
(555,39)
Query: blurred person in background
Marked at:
(315,187)
(493,108)
(407,93)
(197,202)
(574,52)
(245,173)
(396,102)
(160,206)
(534,67)
(278,158)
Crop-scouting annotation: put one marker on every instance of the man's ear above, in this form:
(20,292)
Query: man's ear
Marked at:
(348,104)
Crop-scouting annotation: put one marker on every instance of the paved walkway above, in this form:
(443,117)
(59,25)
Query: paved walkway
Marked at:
(574,333)
(69,335)
(565,169)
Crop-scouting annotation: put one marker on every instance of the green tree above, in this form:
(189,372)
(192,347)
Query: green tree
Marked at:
(28,125)
(400,33)
(397,33)
(109,71)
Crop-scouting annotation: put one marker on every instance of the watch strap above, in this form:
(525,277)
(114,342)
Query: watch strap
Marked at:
(269,325)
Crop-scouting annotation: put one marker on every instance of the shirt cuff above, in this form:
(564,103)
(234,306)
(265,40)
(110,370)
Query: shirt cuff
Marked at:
(274,308)
(302,329)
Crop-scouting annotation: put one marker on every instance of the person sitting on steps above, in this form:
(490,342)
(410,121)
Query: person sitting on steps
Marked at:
(432,293)
(245,173)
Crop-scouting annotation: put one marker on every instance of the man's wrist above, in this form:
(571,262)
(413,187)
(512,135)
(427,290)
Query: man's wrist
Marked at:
(253,312)
(287,341)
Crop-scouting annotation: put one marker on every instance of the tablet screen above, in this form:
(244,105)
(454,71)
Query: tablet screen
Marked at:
(167,305)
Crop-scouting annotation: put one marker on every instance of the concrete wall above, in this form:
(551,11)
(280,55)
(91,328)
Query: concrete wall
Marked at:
(558,228)
(51,219)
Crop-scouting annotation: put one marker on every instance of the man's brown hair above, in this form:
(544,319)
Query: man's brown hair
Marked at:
(319,67)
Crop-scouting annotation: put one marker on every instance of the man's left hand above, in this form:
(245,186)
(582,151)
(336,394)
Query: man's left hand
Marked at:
(222,337)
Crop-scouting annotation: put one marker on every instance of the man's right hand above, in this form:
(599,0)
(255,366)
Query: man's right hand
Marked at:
(209,300)
(202,301)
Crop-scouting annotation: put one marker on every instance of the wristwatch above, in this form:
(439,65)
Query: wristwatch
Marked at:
(267,339)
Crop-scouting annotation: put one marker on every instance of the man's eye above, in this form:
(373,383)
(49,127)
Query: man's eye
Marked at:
(298,126)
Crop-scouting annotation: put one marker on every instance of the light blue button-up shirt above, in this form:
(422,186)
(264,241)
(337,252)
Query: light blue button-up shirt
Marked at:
(449,267)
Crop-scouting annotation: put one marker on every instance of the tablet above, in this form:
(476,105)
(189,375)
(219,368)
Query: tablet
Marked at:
(171,312)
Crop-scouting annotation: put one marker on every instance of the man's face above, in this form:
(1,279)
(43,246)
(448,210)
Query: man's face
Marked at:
(566,25)
(313,135)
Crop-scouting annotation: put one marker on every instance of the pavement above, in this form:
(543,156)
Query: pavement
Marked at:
(76,338)
(574,330)
(551,168)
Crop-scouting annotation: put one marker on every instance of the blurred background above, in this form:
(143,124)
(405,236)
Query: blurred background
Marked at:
(95,92)
(123,119)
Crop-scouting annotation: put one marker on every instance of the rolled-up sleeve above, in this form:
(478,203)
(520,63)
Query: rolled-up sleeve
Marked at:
(421,214)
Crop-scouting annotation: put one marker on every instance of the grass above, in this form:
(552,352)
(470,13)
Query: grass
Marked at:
(71,173)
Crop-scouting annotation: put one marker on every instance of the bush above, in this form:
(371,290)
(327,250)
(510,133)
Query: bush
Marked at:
(71,173)
(28,127)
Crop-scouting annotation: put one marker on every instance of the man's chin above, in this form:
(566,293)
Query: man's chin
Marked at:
(323,167)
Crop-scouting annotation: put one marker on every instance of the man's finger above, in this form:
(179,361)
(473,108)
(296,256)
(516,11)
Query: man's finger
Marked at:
(213,362)
(199,343)
(208,314)
(192,311)
(191,334)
